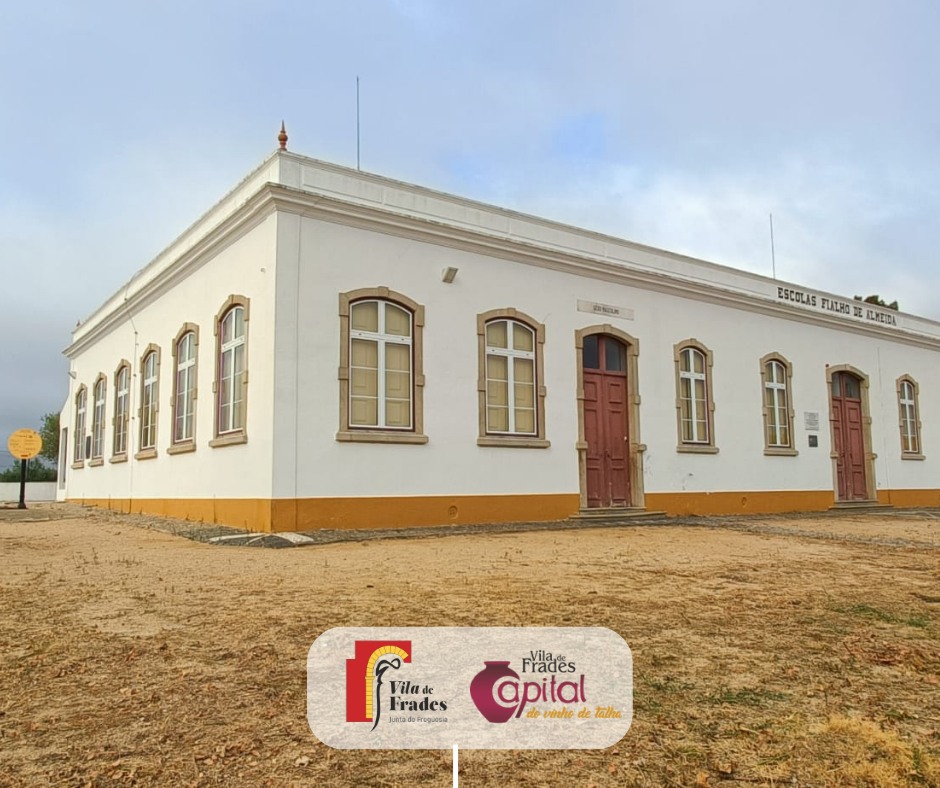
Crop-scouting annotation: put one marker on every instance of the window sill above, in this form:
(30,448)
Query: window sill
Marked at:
(146,454)
(913,457)
(96,462)
(181,448)
(689,448)
(513,443)
(365,436)
(228,439)
(118,458)
(780,451)
(78,464)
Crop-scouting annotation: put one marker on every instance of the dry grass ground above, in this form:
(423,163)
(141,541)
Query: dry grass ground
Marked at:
(795,652)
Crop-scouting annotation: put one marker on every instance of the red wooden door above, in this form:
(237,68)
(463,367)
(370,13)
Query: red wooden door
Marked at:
(605,422)
(848,432)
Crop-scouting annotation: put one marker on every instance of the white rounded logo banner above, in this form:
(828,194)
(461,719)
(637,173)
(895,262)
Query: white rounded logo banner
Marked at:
(476,687)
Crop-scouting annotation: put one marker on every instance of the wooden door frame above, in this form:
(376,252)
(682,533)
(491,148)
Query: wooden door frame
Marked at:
(635,447)
(871,493)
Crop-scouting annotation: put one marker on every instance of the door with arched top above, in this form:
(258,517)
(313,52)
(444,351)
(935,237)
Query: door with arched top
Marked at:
(848,434)
(606,428)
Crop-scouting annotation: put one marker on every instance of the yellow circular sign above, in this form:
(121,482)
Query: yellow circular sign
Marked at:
(24,444)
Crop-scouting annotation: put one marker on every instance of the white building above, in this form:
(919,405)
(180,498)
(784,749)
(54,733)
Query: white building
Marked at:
(327,348)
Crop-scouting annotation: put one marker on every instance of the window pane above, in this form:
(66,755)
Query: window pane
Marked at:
(397,413)
(522,337)
(525,420)
(851,387)
(497,419)
(698,362)
(700,399)
(701,426)
(497,393)
(239,314)
(524,395)
(497,368)
(397,385)
(397,321)
(365,353)
(398,357)
(364,382)
(227,325)
(365,316)
(589,354)
(524,369)
(363,412)
(496,334)
(614,355)
(238,409)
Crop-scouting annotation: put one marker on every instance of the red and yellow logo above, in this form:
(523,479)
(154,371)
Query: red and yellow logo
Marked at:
(365,676)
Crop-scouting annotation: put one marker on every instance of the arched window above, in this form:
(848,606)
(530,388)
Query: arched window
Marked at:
(694,403)
(381,382)
(909,412)
(184,389)
(776,373)
(231,370)
(122,379)
(512,394)
(380,369)
(510,378)
(81,405)
(97,419)
(149,399)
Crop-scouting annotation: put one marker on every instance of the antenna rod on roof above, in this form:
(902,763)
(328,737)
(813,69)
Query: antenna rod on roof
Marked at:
(357,122)
(773,256)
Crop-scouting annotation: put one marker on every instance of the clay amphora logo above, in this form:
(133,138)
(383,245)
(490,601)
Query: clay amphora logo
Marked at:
(500,693)
(365,676)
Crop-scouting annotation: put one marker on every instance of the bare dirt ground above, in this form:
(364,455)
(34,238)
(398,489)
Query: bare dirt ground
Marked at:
(766,652)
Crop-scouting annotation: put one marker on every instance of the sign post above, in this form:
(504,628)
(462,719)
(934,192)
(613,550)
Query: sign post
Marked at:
(24,445)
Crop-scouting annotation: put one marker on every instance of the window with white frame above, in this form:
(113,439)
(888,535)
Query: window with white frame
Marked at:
(776,372)
(98,417)
(149,386)
(121,408)
(694,404)
(230,402)
(510,378)
(909,418)
(380,366)
(184,400)
(81,403)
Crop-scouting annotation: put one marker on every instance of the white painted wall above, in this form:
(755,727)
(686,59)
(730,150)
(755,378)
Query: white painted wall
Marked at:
(36,492)
(318,260)
(244,267)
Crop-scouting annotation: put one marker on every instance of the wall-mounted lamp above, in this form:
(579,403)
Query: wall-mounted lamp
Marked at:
(449,274)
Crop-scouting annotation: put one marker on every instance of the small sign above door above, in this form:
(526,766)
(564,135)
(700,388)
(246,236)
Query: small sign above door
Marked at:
(607,310)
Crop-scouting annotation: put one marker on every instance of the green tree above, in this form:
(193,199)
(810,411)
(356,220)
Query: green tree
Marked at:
(35,472)
(49,432)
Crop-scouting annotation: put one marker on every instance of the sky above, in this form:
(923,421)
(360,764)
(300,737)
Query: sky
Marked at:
(676,123)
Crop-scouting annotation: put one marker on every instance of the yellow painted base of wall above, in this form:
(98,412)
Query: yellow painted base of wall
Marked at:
(913,499)
(679,504)
(310,514)
(253,514)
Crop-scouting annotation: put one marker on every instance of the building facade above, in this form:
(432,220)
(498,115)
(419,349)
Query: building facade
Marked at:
(327,348)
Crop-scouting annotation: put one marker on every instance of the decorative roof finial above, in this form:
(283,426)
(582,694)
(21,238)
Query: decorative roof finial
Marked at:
(282,137)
